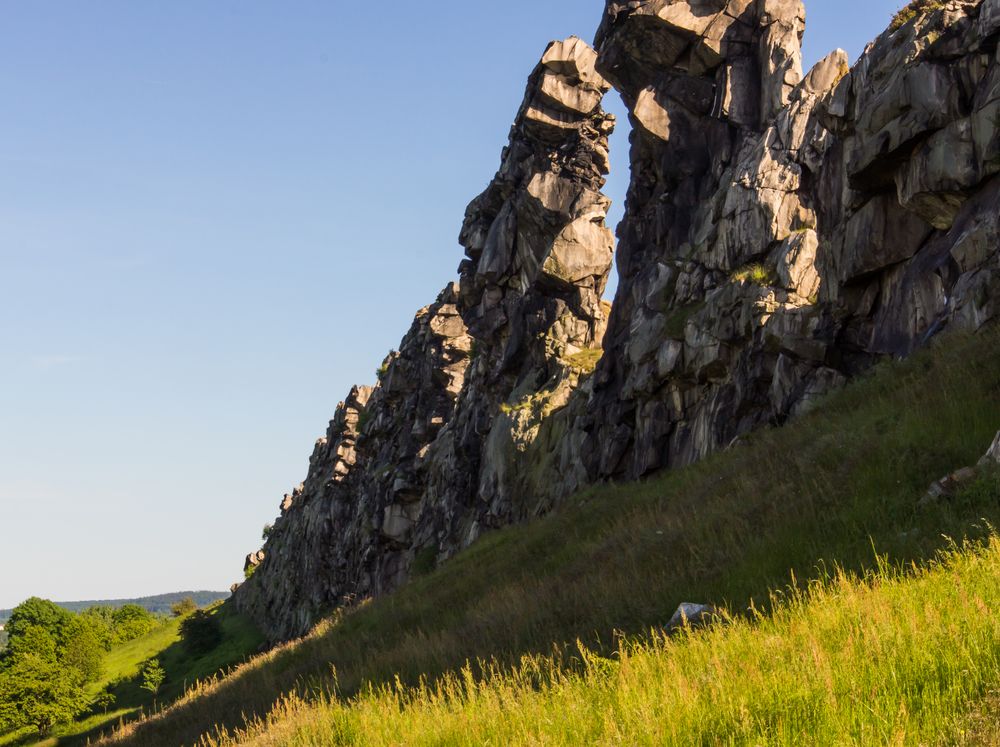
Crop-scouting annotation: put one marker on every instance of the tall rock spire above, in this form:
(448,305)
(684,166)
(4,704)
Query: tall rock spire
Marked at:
(538,258)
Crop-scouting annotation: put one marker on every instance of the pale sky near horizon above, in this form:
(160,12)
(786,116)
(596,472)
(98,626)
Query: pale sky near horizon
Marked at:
(214,219)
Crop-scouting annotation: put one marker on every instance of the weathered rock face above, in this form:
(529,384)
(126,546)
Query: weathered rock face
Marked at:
(538,257)
(288,586)
(412,469)
(343,532)
(782,233)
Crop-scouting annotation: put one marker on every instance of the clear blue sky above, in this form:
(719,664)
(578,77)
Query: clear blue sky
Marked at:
(214,218)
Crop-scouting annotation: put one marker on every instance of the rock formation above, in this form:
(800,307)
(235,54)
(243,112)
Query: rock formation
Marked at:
(401,479)
(783,232)
(538,258)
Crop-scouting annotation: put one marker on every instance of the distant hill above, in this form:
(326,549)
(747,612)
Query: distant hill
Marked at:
(158,603)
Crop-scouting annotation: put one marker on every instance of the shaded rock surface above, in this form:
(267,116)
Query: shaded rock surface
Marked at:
(342,534)
(783,232)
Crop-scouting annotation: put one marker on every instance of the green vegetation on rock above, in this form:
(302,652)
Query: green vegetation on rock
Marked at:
(914,9)
(585,360)
(755,273)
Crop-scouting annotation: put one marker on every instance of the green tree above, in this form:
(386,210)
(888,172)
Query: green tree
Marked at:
(152,675)
(31,639)
(132,621)
(103,702)
(201,632)
(83,650)
(184,607)
(101,619)
(42,613)
(39,693)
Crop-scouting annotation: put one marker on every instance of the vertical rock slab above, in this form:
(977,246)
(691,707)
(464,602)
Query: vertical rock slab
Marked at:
(713,194)
(538,255)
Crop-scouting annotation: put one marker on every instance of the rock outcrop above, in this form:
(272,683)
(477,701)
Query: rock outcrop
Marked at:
(412,470)
(538,258)
(342,534)
(783,232)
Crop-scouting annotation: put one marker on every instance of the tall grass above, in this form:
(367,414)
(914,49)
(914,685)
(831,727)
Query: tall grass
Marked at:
(891,659)
(617,560)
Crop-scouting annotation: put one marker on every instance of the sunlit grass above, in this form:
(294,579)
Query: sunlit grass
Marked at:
(895,658)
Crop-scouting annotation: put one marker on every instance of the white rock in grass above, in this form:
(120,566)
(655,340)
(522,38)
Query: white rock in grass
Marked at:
(993,455)
(694,615)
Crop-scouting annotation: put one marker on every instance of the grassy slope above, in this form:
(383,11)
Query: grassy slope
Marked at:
(823,490)
(121,665)
(893,660)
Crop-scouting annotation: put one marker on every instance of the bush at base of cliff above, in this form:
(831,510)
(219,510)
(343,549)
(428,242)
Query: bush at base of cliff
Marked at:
(201,632)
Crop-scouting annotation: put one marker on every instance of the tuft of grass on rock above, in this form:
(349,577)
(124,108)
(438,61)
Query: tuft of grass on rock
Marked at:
(756,273)
(912,10)
(585,361)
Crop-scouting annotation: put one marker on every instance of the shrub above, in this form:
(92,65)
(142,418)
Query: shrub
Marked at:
(132,621)
(914,9)
(152,676)
(201,632)
(425,561)
(184,607)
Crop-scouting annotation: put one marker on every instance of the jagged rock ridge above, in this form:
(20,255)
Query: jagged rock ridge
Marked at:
(782,233)
(412,470)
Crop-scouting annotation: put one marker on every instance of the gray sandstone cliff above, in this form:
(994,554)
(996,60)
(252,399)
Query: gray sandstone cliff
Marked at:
(783,232)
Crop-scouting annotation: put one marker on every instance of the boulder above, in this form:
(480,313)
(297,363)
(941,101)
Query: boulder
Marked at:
(690,615)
